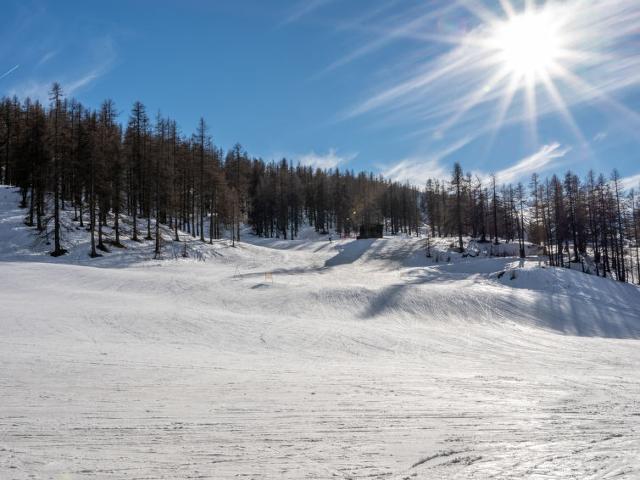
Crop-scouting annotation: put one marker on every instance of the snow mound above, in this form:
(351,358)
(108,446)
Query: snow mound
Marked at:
(388,278)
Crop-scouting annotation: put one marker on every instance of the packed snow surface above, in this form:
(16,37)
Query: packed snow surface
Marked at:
(310,359)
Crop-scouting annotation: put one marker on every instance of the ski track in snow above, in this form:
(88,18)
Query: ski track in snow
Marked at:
(351,360)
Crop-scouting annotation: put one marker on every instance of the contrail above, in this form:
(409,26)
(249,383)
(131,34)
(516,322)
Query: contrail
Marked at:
(8,72)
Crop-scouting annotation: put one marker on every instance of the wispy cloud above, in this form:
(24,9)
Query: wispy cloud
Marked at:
(417,169)
(412,24)
(100,58)
(630,182)
(329,160)
(600,136)
(32,89)
(83,81)
(9,72)
(304,8)
(105,52)
(540,161)
(39,90)
(46,57)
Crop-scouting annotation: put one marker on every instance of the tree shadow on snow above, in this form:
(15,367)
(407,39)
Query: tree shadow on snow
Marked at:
(350,252)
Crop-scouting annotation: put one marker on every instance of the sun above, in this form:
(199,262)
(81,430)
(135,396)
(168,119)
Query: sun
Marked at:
(529,44)
(518,61)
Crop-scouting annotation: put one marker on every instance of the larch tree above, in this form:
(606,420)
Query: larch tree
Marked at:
(58,117)
(457,180)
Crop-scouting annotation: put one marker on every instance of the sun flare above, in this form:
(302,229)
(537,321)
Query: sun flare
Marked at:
(528,44)
(533,52)
(508,62)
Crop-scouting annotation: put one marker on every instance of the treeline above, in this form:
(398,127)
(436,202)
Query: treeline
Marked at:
(65,156)
(77,158)
(591,222)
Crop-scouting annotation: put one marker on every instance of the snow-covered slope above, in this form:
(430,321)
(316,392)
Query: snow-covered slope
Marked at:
(310,359)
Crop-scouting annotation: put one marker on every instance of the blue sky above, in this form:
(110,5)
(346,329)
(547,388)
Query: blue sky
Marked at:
(400,87)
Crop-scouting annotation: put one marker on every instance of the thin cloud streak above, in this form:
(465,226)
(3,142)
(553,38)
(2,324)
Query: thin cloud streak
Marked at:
(10,71)
(410,26)
(600,137)
(86,79)
(39,90)
(104,56)
(305,8)
(543,160)
(46,57)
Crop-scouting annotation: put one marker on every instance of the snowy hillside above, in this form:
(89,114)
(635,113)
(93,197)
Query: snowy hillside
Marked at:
(310,359)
